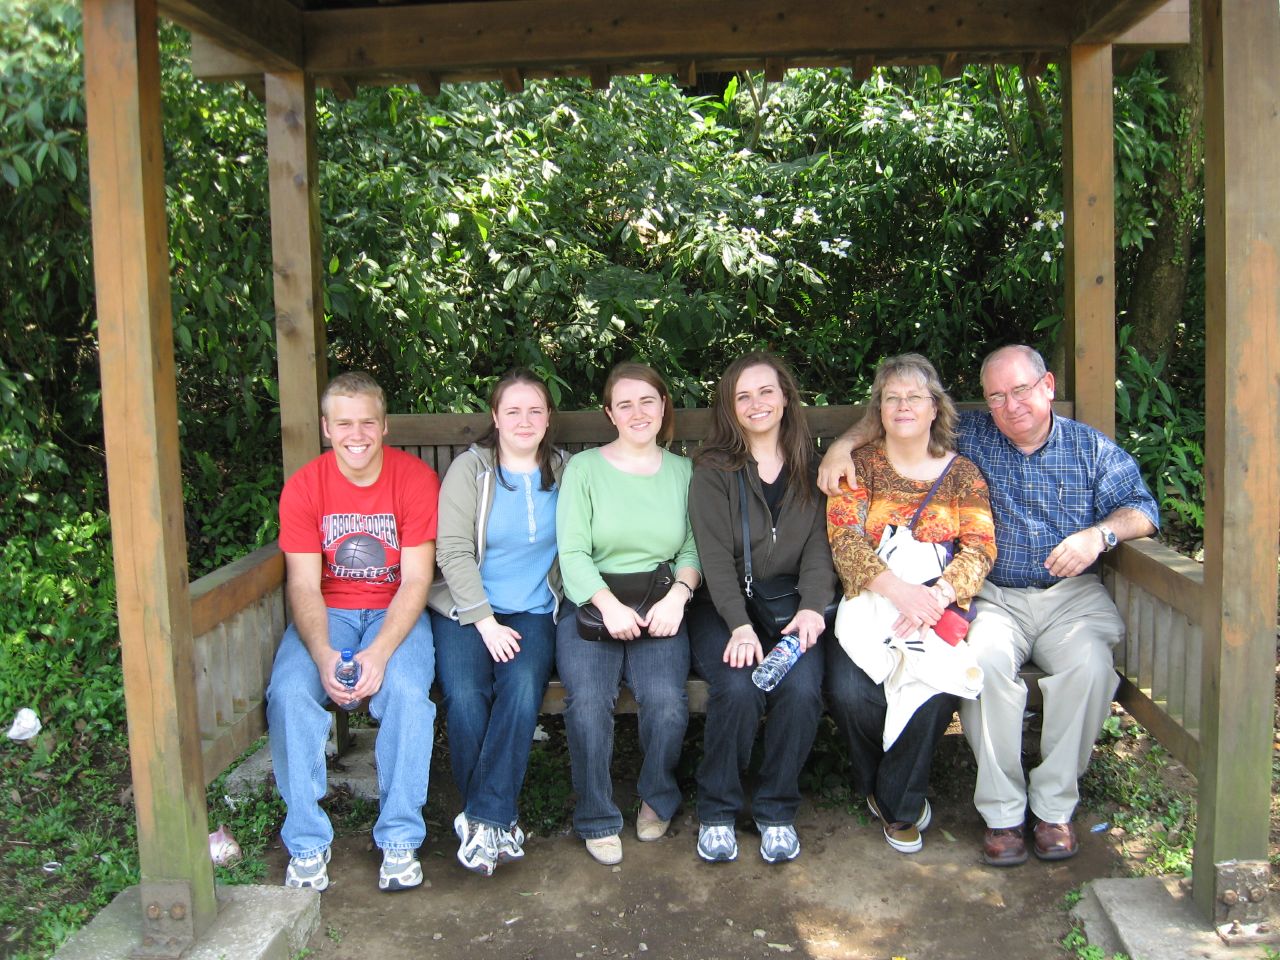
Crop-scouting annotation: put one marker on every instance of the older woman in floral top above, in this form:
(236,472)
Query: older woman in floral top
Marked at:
(912,423)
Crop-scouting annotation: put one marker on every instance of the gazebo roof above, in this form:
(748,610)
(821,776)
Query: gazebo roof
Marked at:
(362,41)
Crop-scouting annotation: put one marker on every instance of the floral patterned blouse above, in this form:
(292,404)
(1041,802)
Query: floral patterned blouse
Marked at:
(960,511)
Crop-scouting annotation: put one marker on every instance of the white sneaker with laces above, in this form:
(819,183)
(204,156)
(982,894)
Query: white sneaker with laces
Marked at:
(478,851)
(717,843)
(308,872)
(510,844)
(779,844)
(400,870)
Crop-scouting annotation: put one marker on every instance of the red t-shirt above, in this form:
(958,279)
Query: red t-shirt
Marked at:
(359,530)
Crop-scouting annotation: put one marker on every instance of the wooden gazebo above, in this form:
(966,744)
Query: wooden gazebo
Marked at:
(1200,655)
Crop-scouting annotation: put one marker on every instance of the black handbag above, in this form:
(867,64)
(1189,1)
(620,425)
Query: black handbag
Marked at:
(639,591)
(772,602)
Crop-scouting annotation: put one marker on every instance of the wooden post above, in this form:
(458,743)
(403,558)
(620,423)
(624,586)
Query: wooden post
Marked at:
(1089,195)
(139,403)
(295,248)
(1242,422)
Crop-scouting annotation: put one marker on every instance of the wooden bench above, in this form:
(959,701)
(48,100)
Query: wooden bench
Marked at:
(438,438)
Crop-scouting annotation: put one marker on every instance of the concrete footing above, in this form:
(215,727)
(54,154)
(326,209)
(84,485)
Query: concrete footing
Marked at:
(1150,918)
(355,770)
(253,923)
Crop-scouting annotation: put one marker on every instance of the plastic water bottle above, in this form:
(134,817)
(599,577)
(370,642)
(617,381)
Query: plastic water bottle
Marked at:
(347,673)
(775,666)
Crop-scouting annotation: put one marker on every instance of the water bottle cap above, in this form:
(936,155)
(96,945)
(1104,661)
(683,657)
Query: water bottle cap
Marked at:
(346,654)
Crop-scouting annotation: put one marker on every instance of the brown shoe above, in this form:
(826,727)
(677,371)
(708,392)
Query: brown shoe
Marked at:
(1055,841)
(1004,846)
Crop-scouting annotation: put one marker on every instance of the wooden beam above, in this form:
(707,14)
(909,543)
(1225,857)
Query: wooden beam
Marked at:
(295,249)
(775,68)
(600,76)
(428,84)
(459,36)
(512,79)
(687,73)
(1242,427)
(1033,64)
(140,420)
(950,66)
(863,64)
(1089,334)
(267,32)
(1103,21)
(1168,26)
(342,87)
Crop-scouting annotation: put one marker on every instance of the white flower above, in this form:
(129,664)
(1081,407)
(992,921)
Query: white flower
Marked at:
(1047,257)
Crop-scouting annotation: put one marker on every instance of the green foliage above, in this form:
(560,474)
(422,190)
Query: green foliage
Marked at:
(1165,434)
(1127,786)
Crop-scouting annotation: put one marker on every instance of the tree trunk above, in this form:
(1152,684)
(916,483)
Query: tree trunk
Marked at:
(1159,287)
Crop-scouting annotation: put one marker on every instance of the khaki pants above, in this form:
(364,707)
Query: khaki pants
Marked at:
(1069,630)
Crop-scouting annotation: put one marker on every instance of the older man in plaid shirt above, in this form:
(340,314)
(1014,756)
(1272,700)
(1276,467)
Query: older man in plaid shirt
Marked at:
(1062,494)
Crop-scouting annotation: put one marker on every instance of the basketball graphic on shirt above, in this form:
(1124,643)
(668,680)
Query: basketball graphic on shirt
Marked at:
(360,551)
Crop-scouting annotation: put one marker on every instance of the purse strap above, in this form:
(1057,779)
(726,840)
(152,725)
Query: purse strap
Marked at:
(929,496)
(746,530)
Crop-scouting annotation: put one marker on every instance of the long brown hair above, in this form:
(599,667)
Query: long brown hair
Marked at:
(726,446)
(548,455)
(912,366)
(631,370)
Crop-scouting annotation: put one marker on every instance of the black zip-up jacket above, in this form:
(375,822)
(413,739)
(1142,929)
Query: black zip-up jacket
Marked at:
(798,546)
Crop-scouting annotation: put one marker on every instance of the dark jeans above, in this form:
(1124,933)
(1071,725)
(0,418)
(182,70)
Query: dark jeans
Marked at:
(734,710)
(898,777)
(492,709)
(592,672)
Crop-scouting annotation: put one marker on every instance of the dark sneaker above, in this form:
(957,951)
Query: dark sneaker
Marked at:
(717,844)
(308,872)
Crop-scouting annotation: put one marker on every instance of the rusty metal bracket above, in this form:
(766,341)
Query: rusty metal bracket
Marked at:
(1241,909)
(168,927)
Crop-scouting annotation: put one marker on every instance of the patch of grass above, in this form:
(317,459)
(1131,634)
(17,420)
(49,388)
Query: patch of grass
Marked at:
(1077,945)
(1124,783)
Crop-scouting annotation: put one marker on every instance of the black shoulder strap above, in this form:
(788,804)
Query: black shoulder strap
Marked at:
(929,496)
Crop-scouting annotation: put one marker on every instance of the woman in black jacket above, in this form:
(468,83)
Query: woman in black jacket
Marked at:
(758,432)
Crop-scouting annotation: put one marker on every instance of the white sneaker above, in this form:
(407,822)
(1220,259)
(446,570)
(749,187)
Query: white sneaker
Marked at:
(717,843)
(308,872)
(400,870)
(510,844)
(478,847)
(779,844)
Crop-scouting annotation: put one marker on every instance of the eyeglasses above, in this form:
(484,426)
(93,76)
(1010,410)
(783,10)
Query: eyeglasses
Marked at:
(914,400)
(997,400)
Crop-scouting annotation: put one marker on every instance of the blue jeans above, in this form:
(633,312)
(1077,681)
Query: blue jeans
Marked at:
(299,726)
(656,669)
(492,709)
(734,710)
(898,777)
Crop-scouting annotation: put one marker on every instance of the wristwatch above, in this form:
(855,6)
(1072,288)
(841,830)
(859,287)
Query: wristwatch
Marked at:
(1109,540)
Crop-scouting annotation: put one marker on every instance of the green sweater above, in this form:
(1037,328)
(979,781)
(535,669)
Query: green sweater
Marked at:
(608,521)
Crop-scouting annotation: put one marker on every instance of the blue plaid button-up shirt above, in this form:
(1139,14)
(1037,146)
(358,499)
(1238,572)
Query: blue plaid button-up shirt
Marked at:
(1077,479)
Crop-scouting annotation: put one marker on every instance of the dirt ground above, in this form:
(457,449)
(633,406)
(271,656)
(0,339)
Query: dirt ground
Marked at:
(848,896)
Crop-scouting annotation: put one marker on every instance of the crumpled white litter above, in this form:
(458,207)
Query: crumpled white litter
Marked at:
(25,725)
(539,734)
(223,848)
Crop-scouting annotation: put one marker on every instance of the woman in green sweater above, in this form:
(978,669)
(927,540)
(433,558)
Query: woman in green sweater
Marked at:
(623,509)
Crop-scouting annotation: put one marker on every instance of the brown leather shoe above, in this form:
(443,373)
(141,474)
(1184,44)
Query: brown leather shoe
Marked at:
(1004,846)
(1055,841)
